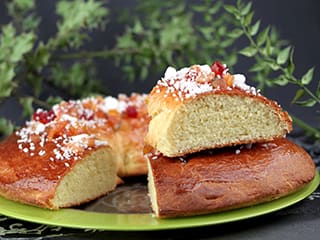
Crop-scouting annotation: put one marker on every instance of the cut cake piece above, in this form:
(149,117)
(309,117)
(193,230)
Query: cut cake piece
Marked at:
(203,107)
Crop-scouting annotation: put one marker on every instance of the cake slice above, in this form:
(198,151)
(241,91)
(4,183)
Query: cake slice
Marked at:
(203,107)
(227,178)
(56,176)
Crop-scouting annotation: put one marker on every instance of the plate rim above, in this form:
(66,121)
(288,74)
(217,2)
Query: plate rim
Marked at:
(81,219)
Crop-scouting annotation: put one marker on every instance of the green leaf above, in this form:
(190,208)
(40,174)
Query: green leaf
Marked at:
(199,8)
(291,66)
(299,94)
(7,41)
(257,67)
(226,43)
(281,81)
(255,28)
(6,81)
(307,103)
(137,28)
(31,23)
(76,16)
(248,51)
(262,37)
(318,90)
(23,44)
(214,8)
(54,100)
(206,32)
(6,126)
(231,9)
(41,57)
(24,4)
(76,75)
(245,10)
(26,103)
(283,56)
(144,73)
(307,77)
(125,41)
(248,19)
(236,33)
(268,47)
(274,66)
(130,73)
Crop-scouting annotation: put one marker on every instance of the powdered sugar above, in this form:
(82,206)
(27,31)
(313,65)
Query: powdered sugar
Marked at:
(240,82)
(184,82)
(170,73)
(111,103)
(198,79)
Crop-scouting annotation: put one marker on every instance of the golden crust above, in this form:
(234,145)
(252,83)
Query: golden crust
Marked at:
(227,178)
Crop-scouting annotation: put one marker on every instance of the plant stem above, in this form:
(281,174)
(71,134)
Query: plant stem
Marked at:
(307,90)
(95,54)
(39,102)
(306,127)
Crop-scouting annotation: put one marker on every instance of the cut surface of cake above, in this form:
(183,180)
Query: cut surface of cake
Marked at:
(202,107)
(74,152)
(226,178)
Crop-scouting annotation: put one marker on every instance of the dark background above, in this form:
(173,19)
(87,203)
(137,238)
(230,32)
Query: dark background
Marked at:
(297,21)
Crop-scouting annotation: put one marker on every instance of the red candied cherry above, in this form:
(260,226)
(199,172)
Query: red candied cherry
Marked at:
(86,116)
(44,116)
(132,112)
(219,69)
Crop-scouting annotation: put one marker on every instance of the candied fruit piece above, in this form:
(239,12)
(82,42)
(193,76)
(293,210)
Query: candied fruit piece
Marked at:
(44,116)
(132,112)
(219,69)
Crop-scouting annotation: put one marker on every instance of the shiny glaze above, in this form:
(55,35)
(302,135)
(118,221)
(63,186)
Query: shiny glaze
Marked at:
(37,172)
(227,178)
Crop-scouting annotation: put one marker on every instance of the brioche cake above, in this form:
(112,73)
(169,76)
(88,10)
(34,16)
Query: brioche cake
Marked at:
(211,143)
(227,178)
(74,152)
(202,107)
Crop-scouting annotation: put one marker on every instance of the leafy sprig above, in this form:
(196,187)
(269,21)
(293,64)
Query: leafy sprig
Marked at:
(274,61)
(269,55)
(169,35)
(13,47)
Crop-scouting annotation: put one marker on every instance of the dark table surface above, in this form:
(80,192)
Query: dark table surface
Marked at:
(299,221)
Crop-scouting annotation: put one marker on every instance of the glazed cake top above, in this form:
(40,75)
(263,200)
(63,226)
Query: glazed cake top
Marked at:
(76,125)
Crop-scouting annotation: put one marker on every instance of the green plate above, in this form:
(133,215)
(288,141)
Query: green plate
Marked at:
(75,218)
